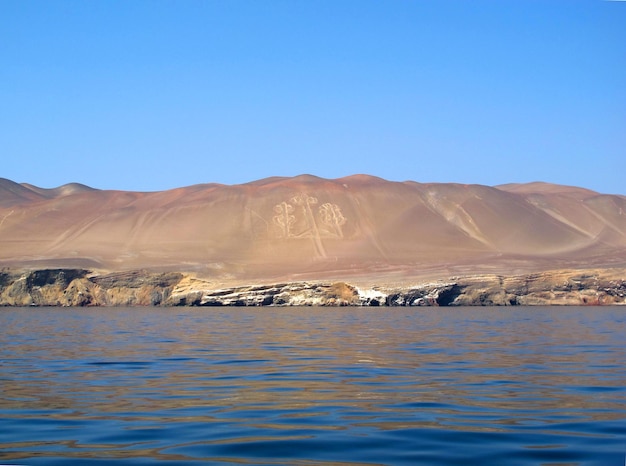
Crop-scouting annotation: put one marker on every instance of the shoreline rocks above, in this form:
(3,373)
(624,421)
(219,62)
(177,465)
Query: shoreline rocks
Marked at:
(80,287)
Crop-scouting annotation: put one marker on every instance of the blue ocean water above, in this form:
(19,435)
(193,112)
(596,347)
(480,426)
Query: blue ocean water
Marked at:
(310,386)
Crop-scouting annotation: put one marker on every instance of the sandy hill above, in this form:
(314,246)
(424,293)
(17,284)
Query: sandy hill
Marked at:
(305,226)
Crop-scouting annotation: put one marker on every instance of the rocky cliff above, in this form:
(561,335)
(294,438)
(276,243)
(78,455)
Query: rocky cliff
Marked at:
(81,287)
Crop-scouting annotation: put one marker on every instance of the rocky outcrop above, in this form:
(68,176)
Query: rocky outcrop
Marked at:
(550,288)
(54,287)
(134,288)
(441,294)
(79,287)
(286,294)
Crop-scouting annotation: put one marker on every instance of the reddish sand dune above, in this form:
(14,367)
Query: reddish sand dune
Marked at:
(312,227)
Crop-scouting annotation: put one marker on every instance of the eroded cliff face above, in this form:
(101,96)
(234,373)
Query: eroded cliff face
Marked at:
(80,287)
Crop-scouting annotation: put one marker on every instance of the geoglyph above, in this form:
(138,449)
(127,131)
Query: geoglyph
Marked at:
(302,218)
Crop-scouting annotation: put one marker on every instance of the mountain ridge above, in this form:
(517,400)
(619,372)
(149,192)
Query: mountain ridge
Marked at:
(532,186)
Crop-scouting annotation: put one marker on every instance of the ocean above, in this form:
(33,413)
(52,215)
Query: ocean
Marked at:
(313,386)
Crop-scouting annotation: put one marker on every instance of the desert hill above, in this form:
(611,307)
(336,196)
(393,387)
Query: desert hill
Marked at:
(359,226)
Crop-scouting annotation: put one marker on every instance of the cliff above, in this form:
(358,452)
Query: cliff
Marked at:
(81,287)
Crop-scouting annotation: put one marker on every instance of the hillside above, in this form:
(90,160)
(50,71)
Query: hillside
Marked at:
(360,227)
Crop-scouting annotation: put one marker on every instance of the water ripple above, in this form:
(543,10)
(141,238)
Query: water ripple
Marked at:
(313,386)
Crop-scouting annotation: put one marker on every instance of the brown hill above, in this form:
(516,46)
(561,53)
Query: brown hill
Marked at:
(308,227)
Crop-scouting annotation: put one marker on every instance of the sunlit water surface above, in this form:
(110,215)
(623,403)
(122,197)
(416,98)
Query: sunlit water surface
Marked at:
(310,386)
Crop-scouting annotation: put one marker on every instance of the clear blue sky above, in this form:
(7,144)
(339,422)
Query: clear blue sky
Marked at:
(151,95)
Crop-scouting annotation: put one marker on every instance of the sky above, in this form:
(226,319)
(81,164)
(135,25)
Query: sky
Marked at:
(157,94)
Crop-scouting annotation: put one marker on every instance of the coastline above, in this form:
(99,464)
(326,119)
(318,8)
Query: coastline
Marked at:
(83,287)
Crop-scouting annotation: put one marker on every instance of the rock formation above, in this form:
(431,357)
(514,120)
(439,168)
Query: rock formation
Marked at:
(79,287)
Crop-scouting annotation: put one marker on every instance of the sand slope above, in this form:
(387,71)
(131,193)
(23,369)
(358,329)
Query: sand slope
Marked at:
(307,226)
